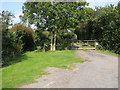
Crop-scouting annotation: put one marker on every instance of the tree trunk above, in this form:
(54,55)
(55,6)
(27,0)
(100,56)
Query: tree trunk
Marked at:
(44,48)
(54,44)
(51,45)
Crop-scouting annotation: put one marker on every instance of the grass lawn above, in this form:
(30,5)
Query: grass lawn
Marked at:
(0,79)
(31,65)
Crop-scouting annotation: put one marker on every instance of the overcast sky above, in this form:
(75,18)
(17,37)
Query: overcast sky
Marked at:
(15,6)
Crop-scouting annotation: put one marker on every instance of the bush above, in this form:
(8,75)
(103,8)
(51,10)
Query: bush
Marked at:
(11,46)
(27,36)
(15,41)
(38,48)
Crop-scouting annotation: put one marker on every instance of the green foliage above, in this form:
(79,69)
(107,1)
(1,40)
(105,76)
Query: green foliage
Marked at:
(58,25)
(109,29)
(11,46)
(103,25)
(65,40)
(16,40)
(38,47)
(69,35)
(26,35)
(42,39)
(55,17)
(5,19)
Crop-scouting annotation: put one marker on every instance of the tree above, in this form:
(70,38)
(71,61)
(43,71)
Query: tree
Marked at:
(101,24)
(84,29)
(6,19)
(11,44)
(55,17)
(110,29)
(42,39)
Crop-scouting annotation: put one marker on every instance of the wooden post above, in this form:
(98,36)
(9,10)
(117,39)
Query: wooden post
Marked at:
(96,44)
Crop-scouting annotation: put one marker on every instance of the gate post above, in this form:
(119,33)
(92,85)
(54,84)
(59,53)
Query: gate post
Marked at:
(96,44)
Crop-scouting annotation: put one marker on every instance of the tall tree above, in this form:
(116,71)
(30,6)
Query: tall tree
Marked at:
(6,19)
(11,44)
(55,17)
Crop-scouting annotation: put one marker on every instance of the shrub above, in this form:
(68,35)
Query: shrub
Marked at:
(27,36)
(11,46)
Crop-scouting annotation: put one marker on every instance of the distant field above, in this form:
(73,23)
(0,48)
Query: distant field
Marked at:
(31,65)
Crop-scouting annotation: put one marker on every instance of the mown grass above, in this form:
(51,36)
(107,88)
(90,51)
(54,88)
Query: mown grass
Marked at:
(32,65)
(0,79)
(109,52)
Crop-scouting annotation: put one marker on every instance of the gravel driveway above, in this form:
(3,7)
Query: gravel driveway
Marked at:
(101,71)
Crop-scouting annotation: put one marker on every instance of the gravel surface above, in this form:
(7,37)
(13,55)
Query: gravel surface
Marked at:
(101,71)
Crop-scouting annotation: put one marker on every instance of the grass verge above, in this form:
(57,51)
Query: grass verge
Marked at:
(33,64)
(109,52)
(86,50)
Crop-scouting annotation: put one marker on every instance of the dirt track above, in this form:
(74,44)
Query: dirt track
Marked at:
(100,72)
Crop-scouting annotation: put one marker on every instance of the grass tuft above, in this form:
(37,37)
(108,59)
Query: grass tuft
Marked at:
(86,50)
